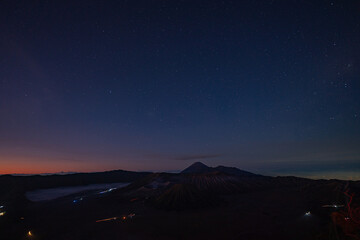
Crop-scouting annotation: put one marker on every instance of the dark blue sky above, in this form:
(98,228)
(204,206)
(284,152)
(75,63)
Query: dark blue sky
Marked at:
(268,86)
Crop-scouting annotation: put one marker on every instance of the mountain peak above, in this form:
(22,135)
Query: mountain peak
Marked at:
(199,164)
(197,167)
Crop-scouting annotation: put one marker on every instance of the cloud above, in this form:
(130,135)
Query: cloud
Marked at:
(195,157)
(183,157)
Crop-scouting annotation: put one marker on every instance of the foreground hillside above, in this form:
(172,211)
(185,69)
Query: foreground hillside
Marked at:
(200,203)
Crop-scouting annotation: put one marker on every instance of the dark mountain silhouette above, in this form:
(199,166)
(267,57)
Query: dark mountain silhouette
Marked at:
(197,186)
(234,171)
(200,203)
(201,186)
(14,187)
(199,167)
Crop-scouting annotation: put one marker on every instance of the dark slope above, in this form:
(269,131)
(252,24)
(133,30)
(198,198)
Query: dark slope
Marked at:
(184,196)
(217,182)
(234,171)
(198,191)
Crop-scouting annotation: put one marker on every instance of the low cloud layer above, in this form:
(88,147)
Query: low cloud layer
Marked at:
(183,157)
(196,157)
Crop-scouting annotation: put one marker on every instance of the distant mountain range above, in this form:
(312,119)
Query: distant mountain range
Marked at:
(201,186)
(196,186)
(14,187)
(199,167)
(199,198)
(41,174)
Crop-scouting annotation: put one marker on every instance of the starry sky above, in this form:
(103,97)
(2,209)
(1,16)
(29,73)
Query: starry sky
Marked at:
(267,86)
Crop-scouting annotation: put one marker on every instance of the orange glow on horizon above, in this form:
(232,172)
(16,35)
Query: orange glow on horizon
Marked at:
(30,166)
(41,169)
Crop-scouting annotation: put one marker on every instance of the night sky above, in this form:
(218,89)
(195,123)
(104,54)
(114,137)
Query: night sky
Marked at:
(267,86)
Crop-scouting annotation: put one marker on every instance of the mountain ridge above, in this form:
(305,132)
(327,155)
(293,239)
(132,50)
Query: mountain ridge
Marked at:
(199,167)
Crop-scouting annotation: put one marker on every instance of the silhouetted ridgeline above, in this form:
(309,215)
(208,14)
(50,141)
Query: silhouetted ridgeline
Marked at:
(201,186)
(199,167)
(200,202)
(14,187)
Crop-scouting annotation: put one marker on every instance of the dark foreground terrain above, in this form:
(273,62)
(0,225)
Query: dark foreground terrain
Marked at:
(199,203)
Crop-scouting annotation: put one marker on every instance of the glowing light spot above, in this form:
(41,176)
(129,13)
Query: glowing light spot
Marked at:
(108,190)
(107,219)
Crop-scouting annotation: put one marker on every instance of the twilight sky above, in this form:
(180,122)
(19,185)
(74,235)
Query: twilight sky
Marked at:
(267,86)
